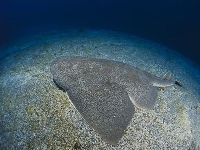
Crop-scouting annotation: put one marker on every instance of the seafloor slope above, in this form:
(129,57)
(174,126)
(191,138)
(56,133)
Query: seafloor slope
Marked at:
(35,114)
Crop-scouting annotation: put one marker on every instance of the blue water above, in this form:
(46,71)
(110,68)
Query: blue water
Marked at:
(174,24)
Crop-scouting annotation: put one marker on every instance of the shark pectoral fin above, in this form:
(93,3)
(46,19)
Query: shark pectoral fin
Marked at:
(145,97)
(107,109)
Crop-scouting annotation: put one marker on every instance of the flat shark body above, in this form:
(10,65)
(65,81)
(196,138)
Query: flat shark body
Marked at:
(105,91)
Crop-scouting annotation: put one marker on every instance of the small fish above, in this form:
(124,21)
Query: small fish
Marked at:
(105,91)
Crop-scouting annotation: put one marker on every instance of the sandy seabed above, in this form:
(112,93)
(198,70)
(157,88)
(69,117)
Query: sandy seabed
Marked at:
(36,114)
